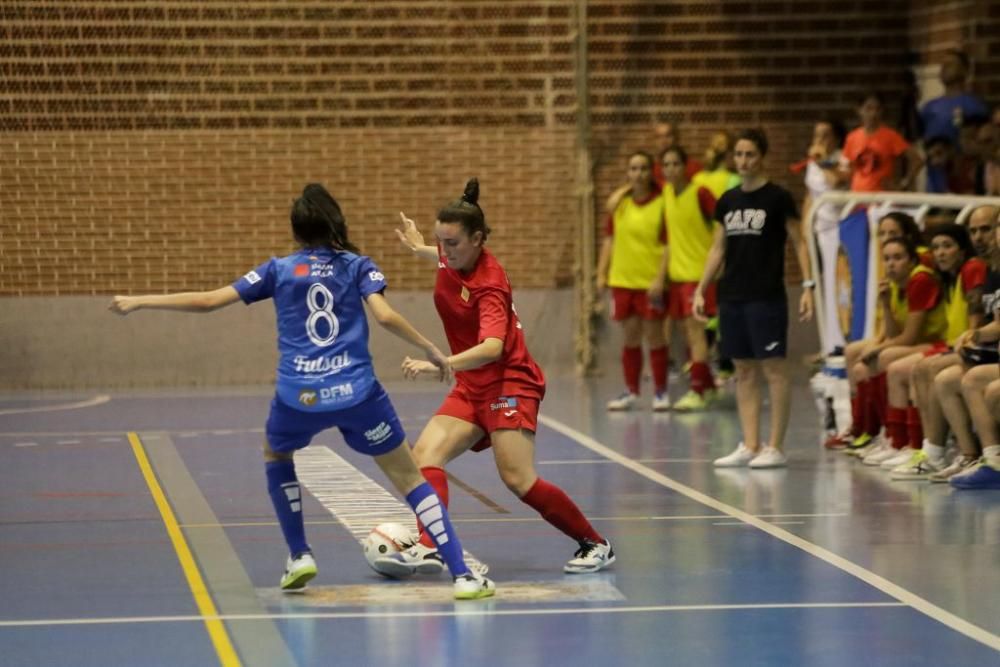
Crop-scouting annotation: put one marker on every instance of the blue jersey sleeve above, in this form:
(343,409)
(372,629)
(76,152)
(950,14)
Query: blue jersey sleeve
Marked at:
(258,284)
(369,279)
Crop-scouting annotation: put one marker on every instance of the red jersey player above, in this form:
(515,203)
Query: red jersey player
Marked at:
(498,385)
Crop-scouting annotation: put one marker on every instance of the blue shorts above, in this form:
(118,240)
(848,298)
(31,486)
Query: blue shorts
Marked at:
(753,329)
(371,427)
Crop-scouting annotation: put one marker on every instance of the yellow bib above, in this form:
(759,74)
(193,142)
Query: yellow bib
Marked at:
(957,312)
(689,234)
(638,248)
(717,181)
(936,322)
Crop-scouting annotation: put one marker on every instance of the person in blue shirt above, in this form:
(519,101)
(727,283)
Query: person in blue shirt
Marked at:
(945,116)
(325,377)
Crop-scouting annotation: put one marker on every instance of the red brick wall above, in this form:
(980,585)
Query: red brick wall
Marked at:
(157,145)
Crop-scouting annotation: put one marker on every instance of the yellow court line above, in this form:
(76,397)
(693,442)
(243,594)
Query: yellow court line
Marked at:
(216,628)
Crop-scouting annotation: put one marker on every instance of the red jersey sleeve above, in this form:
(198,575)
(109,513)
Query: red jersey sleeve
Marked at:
(922,293)
(973,274)
(706,202)
(493,314)
(851,146)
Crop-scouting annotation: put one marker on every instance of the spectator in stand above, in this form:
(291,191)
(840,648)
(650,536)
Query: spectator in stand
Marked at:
(630,258)
(822,175)
(945,116)
(987,156)
(665,136)
(719,174)
(948,170)
(872,151)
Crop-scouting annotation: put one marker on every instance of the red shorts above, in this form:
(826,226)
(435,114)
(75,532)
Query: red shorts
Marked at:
(502,412)
(628,302)
(936,348)
(681,300)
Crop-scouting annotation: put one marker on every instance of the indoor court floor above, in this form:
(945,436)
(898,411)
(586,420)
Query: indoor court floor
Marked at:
(135,529)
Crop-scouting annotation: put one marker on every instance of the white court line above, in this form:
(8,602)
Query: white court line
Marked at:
(89,403)
(470,609)
(355,500)
(536,519)
(893,590)
(576,461)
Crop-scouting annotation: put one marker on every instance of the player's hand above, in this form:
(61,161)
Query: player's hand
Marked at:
(123,305)
(409,235)
(414,368)
(655,295)
(806,305)
(870,354)
(440,360)
(883,290)
(698,307)
(964,339)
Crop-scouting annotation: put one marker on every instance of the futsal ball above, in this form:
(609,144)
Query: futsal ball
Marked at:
(384,539)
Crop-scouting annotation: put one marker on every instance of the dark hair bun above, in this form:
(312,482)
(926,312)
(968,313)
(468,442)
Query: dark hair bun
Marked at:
(471,194)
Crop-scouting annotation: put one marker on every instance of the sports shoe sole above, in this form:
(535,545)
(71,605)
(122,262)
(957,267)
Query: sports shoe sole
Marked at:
(391,567)
(478,594)
(297,583)
(588,570)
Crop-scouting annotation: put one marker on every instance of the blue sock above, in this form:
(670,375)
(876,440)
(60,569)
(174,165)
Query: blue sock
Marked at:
(283,486)
(434,517)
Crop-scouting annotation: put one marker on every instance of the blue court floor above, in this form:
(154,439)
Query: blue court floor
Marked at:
(135,529)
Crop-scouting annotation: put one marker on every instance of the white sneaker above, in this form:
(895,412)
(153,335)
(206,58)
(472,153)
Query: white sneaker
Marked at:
(880,452)
(738,458)
(298,572)
(417,559)
(902,456)
(472,586)
(958,466)
(972,467)
(920,466)
(661,402)
(590,557)
(769,457)
(624,402)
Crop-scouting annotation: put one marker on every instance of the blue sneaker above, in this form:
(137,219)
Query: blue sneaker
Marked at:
(984,477)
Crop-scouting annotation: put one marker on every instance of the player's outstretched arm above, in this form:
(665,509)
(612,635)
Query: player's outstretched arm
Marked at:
(191,302)
(396,324)
(413,240)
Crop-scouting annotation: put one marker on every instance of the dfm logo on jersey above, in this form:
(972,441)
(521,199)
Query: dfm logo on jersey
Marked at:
(379,434)
(336,392)
(376,276)
(325,365)
(252,277)
(745,221)
(307,397)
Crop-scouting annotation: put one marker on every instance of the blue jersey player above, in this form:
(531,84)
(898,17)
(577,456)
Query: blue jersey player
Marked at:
(325,376)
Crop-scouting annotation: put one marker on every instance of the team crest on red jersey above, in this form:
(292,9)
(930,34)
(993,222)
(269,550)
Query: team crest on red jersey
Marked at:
(465,293)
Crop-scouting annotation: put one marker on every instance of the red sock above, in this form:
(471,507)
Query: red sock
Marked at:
(558,509)
(658,362)
(701,377)
(914,429)
(880,397)
(632,365)
(438,479)
(895,426)
(858,409)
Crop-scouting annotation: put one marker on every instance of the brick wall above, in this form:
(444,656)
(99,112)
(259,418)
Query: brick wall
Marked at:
(157,145)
